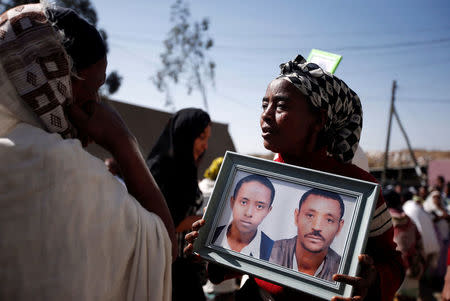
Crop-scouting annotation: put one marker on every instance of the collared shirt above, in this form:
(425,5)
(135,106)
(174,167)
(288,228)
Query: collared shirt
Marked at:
(316,273)
(252,249)
(283,253)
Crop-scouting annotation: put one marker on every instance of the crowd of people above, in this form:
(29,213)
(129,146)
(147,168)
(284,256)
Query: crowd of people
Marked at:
(73,228)
(421,231)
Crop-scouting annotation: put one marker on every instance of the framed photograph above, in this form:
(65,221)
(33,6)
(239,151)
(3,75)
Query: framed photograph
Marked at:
(327,60)
(289,225)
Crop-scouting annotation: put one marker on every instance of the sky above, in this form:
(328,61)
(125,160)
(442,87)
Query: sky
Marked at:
(380,41)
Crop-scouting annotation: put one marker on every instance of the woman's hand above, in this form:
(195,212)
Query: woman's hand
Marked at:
(362,283)
(101,123)
(191,236)
(187,223)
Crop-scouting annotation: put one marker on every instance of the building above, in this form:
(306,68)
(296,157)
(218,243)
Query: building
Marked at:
(147,125)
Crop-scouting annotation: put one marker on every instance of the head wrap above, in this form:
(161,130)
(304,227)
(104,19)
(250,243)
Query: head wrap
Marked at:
(327,92)
(430,206)
(35,63)
(171,161)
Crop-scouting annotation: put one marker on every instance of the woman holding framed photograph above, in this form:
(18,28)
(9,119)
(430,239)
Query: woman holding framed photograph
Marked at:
(312,119)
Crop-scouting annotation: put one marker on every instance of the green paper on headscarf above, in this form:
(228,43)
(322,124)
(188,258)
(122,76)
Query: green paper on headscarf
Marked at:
(326,60)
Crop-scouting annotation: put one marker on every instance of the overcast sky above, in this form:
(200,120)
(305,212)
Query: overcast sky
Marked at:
(408,41)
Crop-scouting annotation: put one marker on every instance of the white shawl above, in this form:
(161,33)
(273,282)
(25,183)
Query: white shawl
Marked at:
(69,230)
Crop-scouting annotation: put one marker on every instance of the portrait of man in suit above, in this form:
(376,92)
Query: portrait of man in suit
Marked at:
(319,219)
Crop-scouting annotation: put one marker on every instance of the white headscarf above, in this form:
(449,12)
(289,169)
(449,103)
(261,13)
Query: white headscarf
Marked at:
(35,71)
(431,207)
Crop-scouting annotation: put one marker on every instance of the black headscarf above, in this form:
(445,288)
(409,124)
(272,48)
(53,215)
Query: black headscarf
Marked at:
(171,160)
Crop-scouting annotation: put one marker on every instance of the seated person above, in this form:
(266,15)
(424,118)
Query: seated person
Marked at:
(251,202)
(318,220)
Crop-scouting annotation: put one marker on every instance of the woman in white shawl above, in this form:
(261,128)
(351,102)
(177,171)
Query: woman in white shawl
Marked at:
(435,207)
(68,229)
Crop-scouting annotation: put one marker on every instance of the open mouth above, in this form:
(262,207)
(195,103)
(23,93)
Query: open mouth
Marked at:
(267,132)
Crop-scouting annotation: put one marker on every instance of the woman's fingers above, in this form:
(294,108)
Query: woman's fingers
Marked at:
(365,259)
(353,281)
(191,236)
(198,224)
(362,283)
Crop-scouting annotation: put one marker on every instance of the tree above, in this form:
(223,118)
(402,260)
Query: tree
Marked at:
(184,57)
(113,82)
(85,9)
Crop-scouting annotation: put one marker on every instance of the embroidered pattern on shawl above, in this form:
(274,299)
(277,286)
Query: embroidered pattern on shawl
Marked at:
(37,65)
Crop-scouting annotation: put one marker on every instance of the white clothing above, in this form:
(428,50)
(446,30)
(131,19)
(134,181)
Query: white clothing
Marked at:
(295,266)
(252,249)
(206,186)
(430,207)
(425,226)
(69,230)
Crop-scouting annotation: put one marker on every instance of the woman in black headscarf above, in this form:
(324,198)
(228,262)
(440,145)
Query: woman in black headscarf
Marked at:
(173,163)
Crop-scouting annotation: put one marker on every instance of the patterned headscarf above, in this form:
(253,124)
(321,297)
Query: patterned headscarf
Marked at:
(327,92)
(37,65)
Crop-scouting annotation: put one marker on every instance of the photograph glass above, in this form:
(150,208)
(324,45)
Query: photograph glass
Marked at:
(289,225)
(280,223)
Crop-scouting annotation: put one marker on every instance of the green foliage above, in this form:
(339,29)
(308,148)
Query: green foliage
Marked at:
(113,82)
(184,57)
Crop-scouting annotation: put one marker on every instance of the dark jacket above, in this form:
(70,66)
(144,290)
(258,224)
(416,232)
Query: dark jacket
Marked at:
(283,254)
(265,247)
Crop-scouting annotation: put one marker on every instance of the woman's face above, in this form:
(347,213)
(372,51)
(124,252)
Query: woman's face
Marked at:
(85,91)
(201,143)
(93,77)
(287,123)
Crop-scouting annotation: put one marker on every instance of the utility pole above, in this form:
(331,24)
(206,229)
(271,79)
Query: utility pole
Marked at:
(386,151)
(393,112)
(411,152)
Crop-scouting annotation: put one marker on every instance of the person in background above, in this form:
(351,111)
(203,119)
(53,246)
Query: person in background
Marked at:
(398,187)
(435,207)
(206,185)
(313,119)
(409,242)
(173,162)
(422,194)
(440,183)
(69,230)
(446,289)
(431,247)
(447,197)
